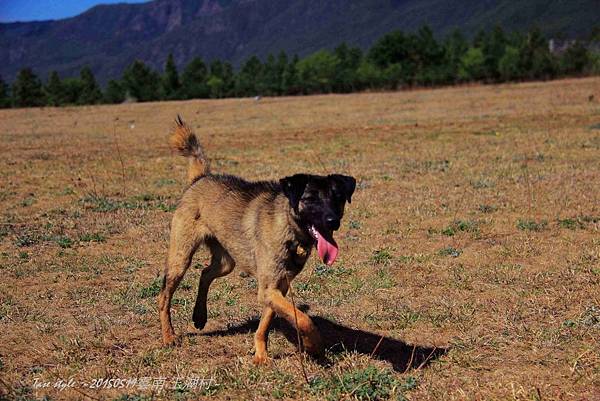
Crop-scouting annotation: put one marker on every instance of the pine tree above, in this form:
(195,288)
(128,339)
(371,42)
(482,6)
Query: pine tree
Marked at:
(228,78)
(141,82)
(455,48)
(575,59)
(270,80)
(282,62)
(194,80)
(494,45)
(472,65)
(4,95)
(55,90)
(317,72)
(369,75)
(115,93)
(216,86)
(27,90)
(535,59)
(290,81)
(348,61)
(389,49)
(429,57)
(170,80)
(90,91)
(249,74)
(73,87)
(508,65)
(393,48)
(221,80)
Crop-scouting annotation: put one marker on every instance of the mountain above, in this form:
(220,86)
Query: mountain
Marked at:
(109,37)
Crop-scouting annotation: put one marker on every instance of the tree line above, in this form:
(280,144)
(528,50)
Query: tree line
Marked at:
(396,60)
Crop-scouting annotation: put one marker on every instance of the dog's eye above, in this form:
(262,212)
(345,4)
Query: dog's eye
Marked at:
(309,198)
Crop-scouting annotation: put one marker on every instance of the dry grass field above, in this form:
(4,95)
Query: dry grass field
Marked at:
(469,262)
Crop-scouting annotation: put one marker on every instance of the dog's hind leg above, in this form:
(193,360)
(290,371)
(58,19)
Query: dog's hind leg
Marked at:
(186,236)
(221,264)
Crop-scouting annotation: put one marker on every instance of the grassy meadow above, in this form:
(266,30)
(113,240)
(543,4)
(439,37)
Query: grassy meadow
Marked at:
(469,263)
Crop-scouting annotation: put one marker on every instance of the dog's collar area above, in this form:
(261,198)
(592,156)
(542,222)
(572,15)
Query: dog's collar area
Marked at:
(299,248)
(301,251)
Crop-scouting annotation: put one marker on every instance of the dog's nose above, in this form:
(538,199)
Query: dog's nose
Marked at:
(333,223)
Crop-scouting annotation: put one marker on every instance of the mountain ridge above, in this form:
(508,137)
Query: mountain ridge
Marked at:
(109,37)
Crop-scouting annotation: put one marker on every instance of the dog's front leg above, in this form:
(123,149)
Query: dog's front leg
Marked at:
(260,337)
(311,339)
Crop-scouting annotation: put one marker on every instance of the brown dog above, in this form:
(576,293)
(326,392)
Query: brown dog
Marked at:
(266,228)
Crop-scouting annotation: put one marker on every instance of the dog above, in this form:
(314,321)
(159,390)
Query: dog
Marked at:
(267,228)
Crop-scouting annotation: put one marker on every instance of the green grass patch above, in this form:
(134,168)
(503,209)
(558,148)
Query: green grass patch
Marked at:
(64,241)
(163,182)
(67,191)
(531,225)
(26,239)
(382,256)
(369,383)
(575,223)
(487,209)
(590,317)
(322,270)
(450,251)
(460,226)
(482,184)
(307,286)
(571,224)
(590,219)
(95,237)
(104,204)
(152,290)
(383,279)
(165,207)
(595,126)
(400,317)
(354,224)
(28,201)
(101,204)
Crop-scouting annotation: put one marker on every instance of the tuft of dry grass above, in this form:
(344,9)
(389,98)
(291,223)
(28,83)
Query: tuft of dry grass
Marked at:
(471,247)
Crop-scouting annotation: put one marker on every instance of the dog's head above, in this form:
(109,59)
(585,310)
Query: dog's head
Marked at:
(318,202)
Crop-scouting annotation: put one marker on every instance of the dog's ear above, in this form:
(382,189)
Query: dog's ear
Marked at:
(346,183)
(293,187)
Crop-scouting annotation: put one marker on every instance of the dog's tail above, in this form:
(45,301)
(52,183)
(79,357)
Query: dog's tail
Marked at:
(184,141)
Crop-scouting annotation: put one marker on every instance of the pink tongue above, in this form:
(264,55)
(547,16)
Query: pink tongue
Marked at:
(327,250)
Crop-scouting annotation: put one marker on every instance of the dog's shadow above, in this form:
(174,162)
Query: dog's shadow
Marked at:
(338,339)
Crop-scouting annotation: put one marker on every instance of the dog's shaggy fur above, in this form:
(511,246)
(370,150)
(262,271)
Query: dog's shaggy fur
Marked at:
(266,228)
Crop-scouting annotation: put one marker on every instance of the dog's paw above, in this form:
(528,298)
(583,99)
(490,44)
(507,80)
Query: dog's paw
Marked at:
(313,345)
(171,341)
(261,359)
(199,321)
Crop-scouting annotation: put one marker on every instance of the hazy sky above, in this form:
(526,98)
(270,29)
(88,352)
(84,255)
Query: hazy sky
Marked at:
(29,10)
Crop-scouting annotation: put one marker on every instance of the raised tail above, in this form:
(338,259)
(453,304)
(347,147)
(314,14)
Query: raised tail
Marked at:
(184,141)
